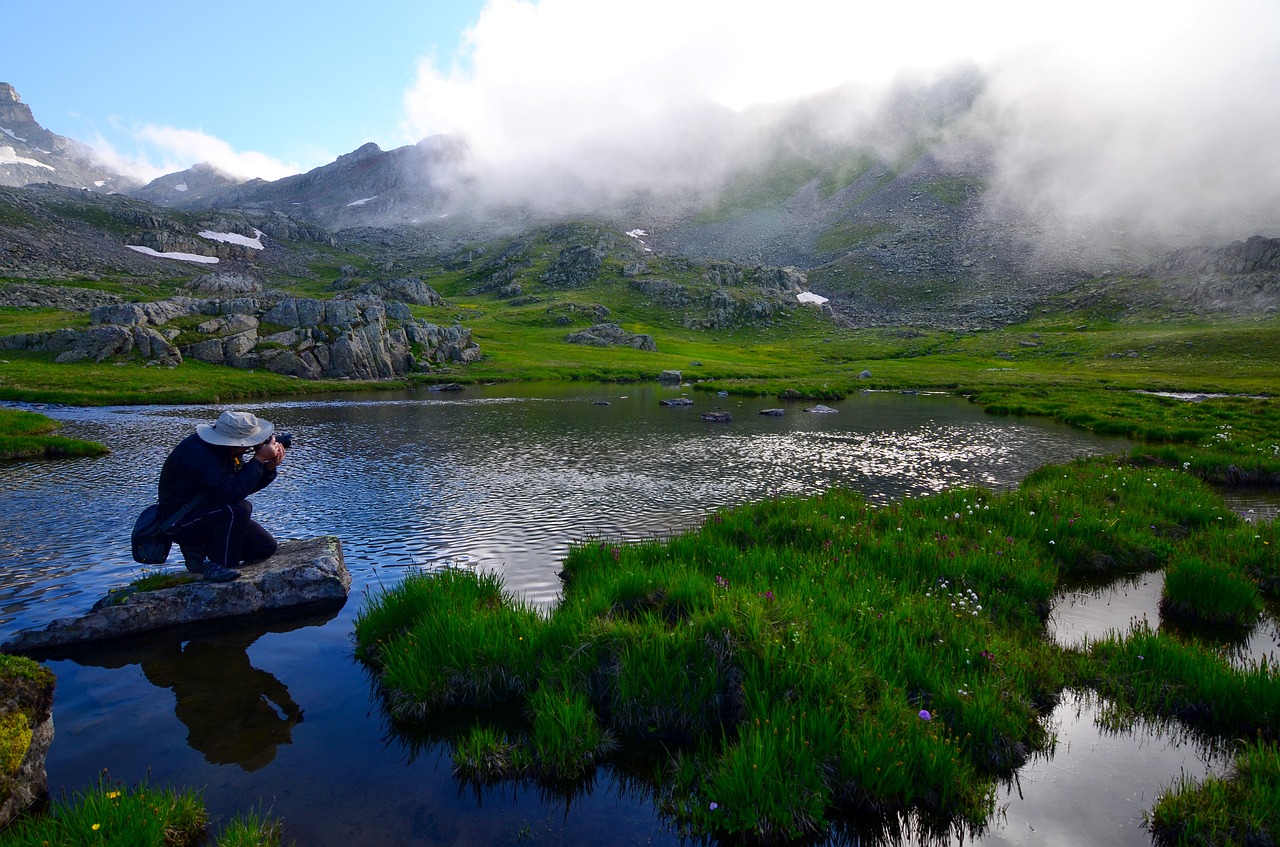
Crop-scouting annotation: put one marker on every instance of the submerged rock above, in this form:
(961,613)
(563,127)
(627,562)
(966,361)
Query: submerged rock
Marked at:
(676,401)
(300,573)
(773,413)
(717,417)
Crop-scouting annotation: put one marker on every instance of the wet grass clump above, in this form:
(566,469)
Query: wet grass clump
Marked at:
(1241,809)
(1211,593)
(1154,675)
(29,435)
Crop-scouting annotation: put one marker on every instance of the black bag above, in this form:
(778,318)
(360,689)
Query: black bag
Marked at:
(151,541)
(150,544)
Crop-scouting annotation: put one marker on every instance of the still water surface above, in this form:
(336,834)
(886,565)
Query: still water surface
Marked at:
(502,478)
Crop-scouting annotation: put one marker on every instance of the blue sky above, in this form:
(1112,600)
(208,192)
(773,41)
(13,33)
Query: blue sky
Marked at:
(300,82)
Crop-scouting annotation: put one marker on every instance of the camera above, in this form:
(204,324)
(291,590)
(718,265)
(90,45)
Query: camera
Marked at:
(285,439)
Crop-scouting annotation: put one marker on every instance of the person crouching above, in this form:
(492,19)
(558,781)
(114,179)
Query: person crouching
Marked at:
(218,534)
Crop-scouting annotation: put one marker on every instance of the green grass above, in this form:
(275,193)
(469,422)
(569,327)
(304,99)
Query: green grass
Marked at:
(1210,592)
(117,815)
(34,377)
(1239,810)
(27,435)
(796,662)
(954,190)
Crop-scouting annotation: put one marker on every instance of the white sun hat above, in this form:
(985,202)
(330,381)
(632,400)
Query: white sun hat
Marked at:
(236,429)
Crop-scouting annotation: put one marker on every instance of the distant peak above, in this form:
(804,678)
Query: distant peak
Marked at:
(8,94)
(362,152)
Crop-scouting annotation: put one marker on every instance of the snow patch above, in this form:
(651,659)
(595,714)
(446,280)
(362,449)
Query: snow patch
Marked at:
(99,182)
(637,233)
(182,257)
(362,201)
(182,186)
(810,297)
(235,238)
(8,157)
(10,133)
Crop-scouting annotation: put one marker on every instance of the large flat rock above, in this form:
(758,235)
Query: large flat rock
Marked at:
(300,573)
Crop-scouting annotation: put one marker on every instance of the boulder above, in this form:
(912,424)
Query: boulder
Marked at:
(717,416)
(670,376)
(773,413)
(676,401)
(300,573)
(820,410)
(608,335)
(26,733)
(404,289)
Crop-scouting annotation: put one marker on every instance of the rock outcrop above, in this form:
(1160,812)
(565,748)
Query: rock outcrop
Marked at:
(26,733)
(356,337)
(574,267)
(300,573)
(610,335)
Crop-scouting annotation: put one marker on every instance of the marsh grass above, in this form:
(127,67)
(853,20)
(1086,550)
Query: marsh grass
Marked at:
(805,661)
(1210,592)
(1151,674)
(26,435)
(1241,809)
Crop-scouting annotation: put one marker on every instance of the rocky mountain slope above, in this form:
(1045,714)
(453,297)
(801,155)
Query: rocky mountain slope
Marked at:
(893,222)
(29,153)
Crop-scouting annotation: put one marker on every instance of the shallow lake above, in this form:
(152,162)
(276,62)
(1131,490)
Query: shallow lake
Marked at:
(502,478)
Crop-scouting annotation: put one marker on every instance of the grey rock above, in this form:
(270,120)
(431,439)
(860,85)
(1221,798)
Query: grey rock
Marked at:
(405,289)
(670,376)
(608,335)
(716,416)
(676,401)
(144,314)
(225,283)
(820,409)
(773,413)
(574,267)
(864,374)
(300,573)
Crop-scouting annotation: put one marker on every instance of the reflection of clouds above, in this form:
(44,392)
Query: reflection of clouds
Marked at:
(1042,806)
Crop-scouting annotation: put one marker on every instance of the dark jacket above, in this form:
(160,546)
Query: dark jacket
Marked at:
(196,465)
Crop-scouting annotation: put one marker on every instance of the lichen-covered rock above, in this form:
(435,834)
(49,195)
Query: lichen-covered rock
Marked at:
(26,732)
(608,335)
(300,573)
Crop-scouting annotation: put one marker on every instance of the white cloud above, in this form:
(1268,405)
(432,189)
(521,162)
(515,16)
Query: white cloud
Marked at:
(158,150)
(1158,113)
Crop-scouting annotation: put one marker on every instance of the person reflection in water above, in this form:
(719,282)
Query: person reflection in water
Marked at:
(235,713)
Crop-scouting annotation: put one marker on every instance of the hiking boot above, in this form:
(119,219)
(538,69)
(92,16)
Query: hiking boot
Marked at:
(193,558)
(215,572)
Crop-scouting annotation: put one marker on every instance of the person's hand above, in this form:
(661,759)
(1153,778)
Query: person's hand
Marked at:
(270,453)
